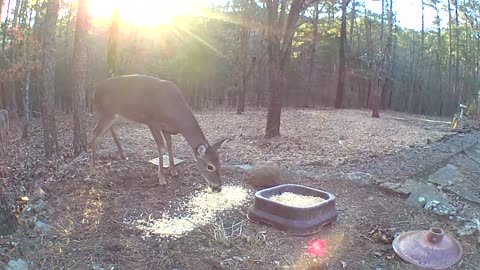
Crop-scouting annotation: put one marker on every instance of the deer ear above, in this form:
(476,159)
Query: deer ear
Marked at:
(201,150)
(218,145)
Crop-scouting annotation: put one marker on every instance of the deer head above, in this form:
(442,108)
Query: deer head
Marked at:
(209,164)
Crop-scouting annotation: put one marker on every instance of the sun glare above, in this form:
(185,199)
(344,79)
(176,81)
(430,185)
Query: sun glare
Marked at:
(144,12)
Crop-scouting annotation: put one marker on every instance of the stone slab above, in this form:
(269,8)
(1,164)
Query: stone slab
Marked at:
(166,162)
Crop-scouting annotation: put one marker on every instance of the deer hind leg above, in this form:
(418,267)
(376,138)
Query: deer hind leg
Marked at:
(103,124)
(7,129)
(3,144)
(157,135)
(168,141)
(117,142)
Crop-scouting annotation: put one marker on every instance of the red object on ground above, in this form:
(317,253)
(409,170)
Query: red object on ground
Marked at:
(317,248)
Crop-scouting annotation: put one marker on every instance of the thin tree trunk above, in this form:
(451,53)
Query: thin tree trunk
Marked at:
(8,222)
(13,59)
(311,63)
(48,67)
(457,52)
(80,65)
(439,61)
(341,67)
(379,73)
(244,33)
(4,26)
(27,114)
(389,58)
(450,47)
(353,15)
(1,7)
(423,96)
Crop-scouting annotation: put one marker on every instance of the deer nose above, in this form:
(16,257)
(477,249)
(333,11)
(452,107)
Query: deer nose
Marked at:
(216,189)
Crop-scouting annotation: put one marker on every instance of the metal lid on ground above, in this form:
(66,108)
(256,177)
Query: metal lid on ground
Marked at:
(430,249)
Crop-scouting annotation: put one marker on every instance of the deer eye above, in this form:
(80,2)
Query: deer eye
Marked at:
(210,168)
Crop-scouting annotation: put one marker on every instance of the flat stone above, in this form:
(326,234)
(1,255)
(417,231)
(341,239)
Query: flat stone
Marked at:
(42,226)
(19,264)
(474,155)
(428,193)
(466,190)
(38,206)
(166,162)
(445,176)
(469,228)
(468,164)
(39,194)
(361,177)
(395,188)
(243,167)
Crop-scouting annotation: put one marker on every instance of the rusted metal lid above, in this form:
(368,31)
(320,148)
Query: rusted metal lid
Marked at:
(428,248)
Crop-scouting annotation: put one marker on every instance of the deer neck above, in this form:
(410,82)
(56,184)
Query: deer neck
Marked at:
(193,133)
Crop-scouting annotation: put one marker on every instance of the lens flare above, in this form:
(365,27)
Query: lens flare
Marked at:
(317,248)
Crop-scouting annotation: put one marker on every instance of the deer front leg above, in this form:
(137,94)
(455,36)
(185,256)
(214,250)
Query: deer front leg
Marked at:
(157,135)
(171,164)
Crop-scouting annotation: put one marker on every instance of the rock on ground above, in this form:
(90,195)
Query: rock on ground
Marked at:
(269,175)
(19,264)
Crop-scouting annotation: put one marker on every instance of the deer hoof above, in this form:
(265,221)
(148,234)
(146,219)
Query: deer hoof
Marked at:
(161,180)
(173,172)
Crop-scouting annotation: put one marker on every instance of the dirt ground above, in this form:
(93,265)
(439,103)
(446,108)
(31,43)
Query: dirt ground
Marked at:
(91,219)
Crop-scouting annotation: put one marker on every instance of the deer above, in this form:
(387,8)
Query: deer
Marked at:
(160,105)
(4,126)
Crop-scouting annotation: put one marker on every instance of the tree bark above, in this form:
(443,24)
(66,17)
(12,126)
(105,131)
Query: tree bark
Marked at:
(4,26)
(8,222)
(280,37)
(48,67)
(244,33)
(311,63)
(1,7)
(450,46)
(80,65)
(27,114)
(341,67)
(457,53)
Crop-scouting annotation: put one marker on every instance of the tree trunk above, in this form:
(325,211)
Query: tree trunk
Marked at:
(311,63)
(4,26)
(275,100)
(341,67)
(8,222)
(378,67)
(48,67)
(27,114)
(387,86)
(13,60)
(450,47)
(353,15)
(438,59)
(281,29)
(80,65)
(1,7)
(457,52)
(244,33)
